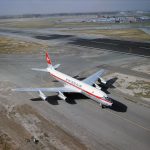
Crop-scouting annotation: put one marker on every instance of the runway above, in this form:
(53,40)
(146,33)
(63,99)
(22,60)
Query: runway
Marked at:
(116,45)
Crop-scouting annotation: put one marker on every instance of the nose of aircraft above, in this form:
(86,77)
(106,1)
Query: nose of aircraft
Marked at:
(109,103)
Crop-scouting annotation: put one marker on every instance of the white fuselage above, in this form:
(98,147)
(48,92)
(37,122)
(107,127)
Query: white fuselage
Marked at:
(81,87)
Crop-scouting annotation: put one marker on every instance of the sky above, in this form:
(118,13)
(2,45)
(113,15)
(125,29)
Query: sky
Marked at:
(13,7)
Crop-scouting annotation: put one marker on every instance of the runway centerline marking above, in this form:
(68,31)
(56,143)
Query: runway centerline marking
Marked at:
(123,118)
(132,122)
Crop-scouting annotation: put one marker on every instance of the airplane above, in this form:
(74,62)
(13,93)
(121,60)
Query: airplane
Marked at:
(72,85)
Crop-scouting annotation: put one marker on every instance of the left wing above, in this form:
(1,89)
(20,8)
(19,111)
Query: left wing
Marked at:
(93,78)
(52,90)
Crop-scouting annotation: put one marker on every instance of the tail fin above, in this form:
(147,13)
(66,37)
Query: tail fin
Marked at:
(48,59)
(49,62)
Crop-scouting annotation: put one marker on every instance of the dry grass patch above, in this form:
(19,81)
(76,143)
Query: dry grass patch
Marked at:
(131,85)
(11,45)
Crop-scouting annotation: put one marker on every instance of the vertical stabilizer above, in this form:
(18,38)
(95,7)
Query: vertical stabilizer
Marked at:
(49,62)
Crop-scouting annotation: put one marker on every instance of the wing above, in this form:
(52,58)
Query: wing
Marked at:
(93,78)
(52,90)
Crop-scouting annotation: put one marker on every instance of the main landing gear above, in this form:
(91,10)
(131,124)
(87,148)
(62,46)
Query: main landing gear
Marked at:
(101,105)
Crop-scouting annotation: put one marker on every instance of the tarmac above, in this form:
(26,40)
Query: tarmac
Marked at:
(125,126)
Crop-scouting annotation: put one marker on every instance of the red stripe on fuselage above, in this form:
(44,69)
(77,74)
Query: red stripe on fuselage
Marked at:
(81,89)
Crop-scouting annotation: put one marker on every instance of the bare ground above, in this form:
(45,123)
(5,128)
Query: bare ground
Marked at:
(134,86)
(19,123)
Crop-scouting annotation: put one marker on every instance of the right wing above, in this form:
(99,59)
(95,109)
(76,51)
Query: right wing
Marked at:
(93,78)
(52,90)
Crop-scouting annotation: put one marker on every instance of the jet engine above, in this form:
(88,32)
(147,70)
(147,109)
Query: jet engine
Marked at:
(42,95)
(98,87)
(101,80)
(62,96)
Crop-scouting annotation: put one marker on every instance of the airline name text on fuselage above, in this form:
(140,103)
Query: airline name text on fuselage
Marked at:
(74,83)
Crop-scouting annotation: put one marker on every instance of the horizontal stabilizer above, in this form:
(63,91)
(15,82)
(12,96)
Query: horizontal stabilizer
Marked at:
(38,69)
(56,66)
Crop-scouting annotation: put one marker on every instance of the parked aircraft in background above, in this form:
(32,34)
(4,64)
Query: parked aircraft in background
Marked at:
(72,85)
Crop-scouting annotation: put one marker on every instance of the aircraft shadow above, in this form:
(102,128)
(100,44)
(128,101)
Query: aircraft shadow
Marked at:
(54,99)
(50,99)
(118,106)
(36,99)
(73,97)
(78,77)
(110,82)
(108,85)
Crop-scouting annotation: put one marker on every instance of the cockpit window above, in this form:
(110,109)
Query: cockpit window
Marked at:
(107,98)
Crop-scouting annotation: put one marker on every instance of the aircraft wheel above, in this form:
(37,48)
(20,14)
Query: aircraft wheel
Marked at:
(101,105)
